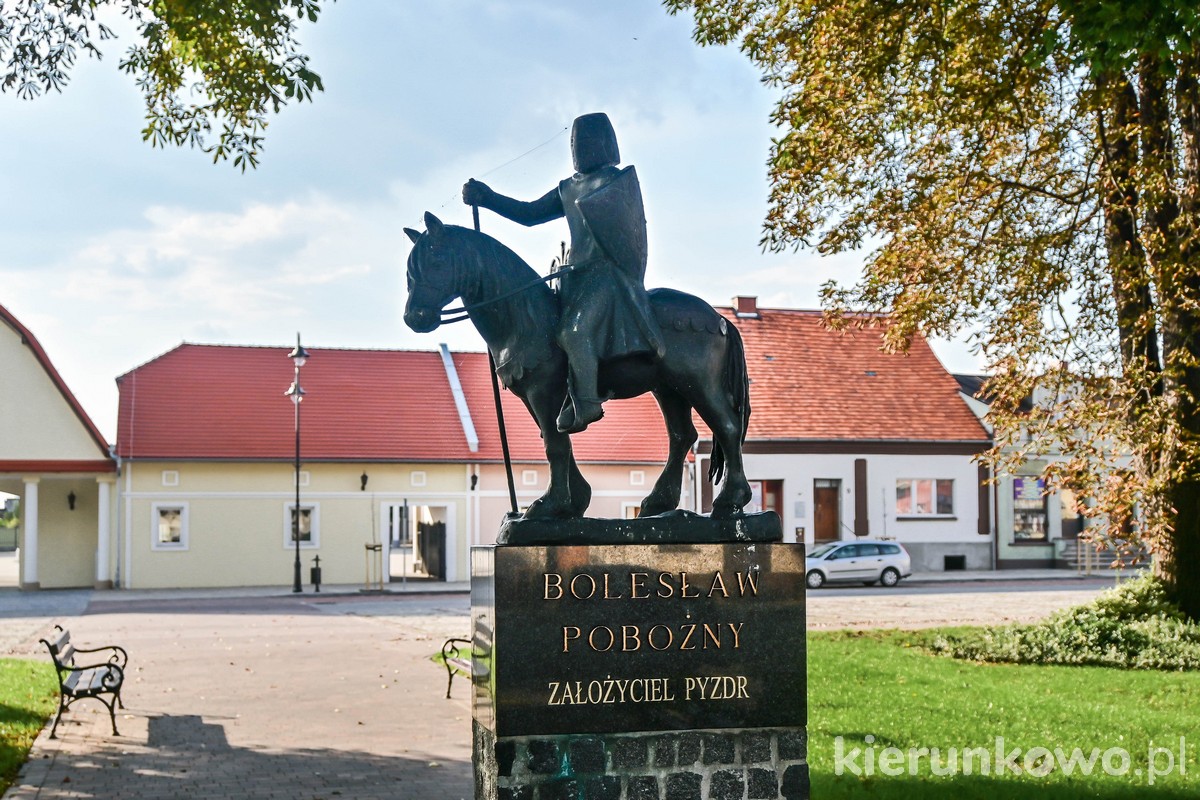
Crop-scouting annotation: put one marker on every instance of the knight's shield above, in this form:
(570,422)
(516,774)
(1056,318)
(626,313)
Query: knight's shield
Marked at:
(617,219)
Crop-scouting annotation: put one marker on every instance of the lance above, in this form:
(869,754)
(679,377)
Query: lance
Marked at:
(512,487)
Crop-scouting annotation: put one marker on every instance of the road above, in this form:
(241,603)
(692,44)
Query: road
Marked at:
(909,605)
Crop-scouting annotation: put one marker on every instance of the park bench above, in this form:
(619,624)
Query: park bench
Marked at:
(78,681)
(473,666)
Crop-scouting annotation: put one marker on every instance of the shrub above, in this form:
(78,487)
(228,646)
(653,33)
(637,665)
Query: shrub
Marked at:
(1130,627)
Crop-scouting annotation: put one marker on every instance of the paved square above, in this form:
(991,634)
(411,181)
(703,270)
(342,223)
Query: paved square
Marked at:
(266,698)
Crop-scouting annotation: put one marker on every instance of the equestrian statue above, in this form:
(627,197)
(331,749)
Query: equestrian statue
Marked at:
(600,336)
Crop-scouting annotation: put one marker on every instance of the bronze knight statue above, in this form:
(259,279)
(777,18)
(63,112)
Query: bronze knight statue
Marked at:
(601,336)
(605,311)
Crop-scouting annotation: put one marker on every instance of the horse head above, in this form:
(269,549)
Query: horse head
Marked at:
(432,275)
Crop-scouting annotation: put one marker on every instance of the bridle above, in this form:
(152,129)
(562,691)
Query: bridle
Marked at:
(460,313)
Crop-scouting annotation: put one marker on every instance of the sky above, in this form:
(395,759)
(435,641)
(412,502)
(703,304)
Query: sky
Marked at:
(112,252)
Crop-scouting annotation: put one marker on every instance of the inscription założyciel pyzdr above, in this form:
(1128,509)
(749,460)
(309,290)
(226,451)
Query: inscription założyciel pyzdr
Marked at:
(648,637)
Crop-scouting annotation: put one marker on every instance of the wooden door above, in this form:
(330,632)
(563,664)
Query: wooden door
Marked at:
(825,511)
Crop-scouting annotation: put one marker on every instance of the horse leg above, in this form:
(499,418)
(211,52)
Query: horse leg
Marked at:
(681,435)
(718,411)
(568,493)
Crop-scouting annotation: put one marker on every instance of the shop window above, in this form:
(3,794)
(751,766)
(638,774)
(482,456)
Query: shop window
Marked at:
(1029,510)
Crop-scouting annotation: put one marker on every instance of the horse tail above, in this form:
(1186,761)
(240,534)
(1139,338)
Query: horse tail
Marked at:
(737,387)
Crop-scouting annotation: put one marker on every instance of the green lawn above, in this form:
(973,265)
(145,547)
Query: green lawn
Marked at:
(28,696)
(882,684)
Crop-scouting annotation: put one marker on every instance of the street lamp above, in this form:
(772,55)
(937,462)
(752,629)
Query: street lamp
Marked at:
(299,358)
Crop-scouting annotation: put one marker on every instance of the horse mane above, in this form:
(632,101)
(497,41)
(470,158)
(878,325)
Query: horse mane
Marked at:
(531,315)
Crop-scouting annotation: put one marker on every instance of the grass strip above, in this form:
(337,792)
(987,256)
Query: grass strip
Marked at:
(885,685)
(28,696)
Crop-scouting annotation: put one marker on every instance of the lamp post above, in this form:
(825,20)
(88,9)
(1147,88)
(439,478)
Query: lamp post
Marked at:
(299,358)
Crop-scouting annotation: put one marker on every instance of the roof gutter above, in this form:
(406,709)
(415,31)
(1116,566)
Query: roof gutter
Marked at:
(460,399)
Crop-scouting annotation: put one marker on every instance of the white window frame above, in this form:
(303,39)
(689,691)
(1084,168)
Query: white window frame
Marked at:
(304,476)
(155,514)
(314,542)
(637,477)
(418,477)
(914,513)
(170,477)
(529,477)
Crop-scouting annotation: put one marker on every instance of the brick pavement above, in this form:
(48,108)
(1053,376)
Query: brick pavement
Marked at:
(267,698)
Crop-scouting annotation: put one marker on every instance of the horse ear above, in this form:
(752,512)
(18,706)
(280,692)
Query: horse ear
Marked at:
(433,224)
(413,235)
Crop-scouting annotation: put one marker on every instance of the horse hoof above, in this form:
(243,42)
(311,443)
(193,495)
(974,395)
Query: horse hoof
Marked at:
(723,511)
(653,509)
(539,510)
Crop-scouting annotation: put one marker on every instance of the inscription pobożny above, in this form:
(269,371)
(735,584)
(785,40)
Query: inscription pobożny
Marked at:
(649,637)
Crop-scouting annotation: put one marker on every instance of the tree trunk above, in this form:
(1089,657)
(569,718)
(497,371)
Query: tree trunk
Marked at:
(1178,565)
(1136,323)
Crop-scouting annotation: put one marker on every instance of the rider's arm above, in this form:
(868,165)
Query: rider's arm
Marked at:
(545,208)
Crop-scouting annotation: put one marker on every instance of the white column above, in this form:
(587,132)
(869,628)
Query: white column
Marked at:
(103,532)
(29,547)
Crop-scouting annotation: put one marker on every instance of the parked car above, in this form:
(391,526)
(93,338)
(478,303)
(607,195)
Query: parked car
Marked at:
(867,560)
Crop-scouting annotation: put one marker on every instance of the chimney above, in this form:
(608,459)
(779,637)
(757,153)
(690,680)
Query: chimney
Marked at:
(746,307)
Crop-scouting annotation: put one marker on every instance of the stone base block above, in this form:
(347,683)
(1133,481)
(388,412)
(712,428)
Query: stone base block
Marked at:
(724,764)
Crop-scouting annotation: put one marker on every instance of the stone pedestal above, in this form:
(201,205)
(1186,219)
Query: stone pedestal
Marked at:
(640,672)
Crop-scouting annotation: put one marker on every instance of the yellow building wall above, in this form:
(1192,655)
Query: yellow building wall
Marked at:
(36,421)
(237,519)
(66,538)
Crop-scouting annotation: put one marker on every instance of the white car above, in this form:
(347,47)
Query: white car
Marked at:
(867,560)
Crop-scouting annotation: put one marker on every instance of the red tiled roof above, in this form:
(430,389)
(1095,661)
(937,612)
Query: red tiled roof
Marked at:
(811,383)
(227,402)
(105,463)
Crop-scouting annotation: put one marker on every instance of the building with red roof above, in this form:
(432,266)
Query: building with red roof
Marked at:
(848,441)
(53,458)
(398,449)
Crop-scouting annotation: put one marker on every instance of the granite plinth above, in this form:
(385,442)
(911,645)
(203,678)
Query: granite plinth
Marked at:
(675,527)
(613,638)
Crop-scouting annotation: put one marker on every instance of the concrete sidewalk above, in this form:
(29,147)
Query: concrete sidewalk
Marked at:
(313,697)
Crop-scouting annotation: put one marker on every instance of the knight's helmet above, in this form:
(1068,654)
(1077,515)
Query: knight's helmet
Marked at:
(593,143)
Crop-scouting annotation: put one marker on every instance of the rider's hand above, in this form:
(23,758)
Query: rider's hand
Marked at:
(476,193)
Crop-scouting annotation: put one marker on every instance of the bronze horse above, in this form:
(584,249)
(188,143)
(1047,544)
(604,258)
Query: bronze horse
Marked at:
(704,367)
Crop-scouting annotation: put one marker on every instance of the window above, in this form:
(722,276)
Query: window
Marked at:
(924,497)
(637,477)
(1029,510)
(417,477)
(304,477)
(169,526)
(310,525)
(529,477)
(889,549)
(630,510)
(170,477)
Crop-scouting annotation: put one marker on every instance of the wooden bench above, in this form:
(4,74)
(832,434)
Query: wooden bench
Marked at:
(78,681)
(473,666)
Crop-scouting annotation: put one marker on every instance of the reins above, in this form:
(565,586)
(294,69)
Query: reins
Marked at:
(464,311)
